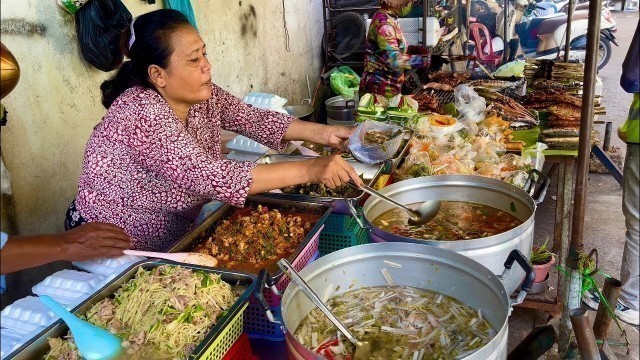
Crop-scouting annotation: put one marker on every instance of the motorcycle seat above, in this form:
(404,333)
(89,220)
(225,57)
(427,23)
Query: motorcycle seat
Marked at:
(535,22)
(551,24)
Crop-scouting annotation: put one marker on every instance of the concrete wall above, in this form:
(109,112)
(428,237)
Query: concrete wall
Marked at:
(57,101)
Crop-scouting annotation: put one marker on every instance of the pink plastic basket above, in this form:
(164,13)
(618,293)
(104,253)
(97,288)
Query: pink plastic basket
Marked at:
(307,255)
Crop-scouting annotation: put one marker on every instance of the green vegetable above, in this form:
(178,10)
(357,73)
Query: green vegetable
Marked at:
(541,255)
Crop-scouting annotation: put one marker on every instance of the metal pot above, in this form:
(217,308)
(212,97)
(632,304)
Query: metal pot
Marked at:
(423,267)
(340,110)
(302,112)
(488,251)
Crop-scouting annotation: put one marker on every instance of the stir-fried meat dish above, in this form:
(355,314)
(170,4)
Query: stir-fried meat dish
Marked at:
(452,79)
(255,241)
(428,103)
(344,191)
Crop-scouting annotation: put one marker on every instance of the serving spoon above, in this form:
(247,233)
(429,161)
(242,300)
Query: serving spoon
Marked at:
(363,348)
(93,343)
(422,215)
(184,257)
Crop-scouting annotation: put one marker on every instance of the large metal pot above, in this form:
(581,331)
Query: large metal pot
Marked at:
(489,251)
(340,111)
(423,267)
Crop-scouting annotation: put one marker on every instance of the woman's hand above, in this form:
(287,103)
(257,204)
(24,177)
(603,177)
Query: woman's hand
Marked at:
(337,136)
(332,171)
(94,240)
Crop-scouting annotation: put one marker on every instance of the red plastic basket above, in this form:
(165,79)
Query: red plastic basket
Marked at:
(241,350)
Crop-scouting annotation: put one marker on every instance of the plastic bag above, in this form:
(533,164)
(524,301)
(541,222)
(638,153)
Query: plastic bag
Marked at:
(344,81)
(99,25)
(513,68)
(534,155)
(415,165)
(469,104)
(374,153)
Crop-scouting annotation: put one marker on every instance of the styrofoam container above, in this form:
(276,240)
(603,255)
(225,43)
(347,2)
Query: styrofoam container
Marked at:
(244,144)
(68,287)
(9,341)
(108,266)
(26,315)
(265,101)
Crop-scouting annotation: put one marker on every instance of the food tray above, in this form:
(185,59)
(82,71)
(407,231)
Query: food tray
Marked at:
(219,339)
(307,247)
(241,350)
(26,315)
(244,144)
(370,173)
(351,235)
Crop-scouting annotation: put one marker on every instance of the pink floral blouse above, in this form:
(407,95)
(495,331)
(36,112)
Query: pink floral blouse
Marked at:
(148,173)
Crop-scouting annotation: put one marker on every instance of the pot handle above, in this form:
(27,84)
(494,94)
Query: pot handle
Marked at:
(536,185)
(530,275)
(265,280)
(354,213)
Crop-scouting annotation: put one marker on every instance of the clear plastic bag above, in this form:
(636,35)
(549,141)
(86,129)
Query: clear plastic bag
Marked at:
(374,153)
(469,104)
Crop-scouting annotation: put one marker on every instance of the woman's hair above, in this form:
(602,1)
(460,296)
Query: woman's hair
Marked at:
(150,45)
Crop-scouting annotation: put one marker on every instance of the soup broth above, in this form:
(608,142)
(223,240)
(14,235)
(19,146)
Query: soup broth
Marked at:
(456,220)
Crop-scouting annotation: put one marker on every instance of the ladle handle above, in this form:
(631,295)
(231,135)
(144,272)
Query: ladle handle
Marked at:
(64,314)
(286,267)
(375,193)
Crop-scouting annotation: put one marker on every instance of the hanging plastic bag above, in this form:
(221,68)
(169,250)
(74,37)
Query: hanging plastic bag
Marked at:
(344,81)
(99,26)
(368,150)
(469,104)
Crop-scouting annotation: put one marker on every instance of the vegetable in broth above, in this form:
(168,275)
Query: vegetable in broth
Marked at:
(399,322)
(456,220)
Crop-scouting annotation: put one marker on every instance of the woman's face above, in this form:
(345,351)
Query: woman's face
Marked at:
(187,77)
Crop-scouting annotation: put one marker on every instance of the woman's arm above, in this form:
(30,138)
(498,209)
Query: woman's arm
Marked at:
(330,135)
(86,242)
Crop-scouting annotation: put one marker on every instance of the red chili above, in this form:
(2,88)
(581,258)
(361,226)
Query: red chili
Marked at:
(328,354)
(326,346)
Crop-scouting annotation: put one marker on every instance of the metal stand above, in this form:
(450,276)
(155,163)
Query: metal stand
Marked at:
(563,166)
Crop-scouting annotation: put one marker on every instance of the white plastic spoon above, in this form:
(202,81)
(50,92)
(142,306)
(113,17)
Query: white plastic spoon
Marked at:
(185,257)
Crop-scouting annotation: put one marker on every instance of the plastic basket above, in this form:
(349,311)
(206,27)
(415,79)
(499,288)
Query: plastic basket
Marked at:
(351,235)
(336,223)
(221,345)
(307,255)
(241,350)
(257,326)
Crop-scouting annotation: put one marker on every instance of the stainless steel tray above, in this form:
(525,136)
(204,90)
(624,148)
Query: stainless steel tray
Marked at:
(370,174)
(243,284)
(208,226)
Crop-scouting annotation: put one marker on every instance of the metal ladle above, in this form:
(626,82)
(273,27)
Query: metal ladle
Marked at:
(363,348)
(422,215)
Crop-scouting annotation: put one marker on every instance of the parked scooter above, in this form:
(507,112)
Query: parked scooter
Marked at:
(543,37)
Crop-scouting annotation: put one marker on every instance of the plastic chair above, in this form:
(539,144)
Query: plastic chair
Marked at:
(480,35)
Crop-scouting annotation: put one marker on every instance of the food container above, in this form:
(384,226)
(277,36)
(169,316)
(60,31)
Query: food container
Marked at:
(26,315)
(299,258)
(340,111)
(107,266)
(68,287)
(369,173)
(422,267)
(214,346)
(488,251)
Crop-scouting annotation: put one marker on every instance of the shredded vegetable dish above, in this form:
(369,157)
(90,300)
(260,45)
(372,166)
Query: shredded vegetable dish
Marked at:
(161,313)
(253,239)
(456,220)
(399,322)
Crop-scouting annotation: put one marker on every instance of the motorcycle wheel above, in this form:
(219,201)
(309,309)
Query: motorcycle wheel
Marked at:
(604,52)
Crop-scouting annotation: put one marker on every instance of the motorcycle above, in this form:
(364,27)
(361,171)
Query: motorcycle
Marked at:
(543,37)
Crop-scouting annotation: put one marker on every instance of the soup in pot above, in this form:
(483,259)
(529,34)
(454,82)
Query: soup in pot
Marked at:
(456,220)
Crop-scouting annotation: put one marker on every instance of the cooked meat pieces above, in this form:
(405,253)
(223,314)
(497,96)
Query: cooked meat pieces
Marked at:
(452,79)
(256,240)
(428,103)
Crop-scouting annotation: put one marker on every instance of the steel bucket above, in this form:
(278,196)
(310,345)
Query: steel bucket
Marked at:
(423,267)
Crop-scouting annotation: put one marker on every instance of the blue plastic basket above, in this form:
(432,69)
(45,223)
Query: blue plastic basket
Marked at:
(256,325)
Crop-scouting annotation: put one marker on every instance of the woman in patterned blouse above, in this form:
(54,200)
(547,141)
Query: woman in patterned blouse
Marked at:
(154,159)
(386,57)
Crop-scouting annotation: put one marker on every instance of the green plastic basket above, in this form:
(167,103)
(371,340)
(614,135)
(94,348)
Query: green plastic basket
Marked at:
(351,235)
(226,338)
